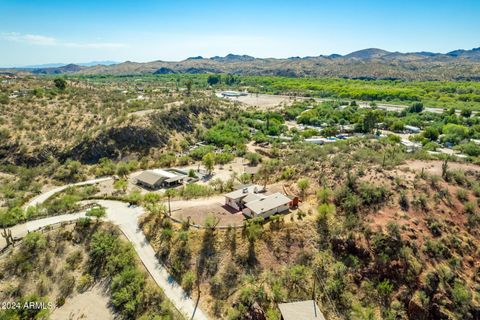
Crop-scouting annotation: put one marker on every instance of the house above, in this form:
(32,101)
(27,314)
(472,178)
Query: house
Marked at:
(253,204)
(305,310)
(265,206)
(412,129)
(236,199)
(411,146)
(155,179)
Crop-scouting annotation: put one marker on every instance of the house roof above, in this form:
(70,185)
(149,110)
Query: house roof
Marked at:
(163,173)
(252,197)
(305,310)
(149,177)
(268,203)
(242,193)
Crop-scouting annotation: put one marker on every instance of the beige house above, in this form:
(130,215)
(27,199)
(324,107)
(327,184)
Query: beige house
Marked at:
(254,204)
(237,199)
(155,179)
(267,206)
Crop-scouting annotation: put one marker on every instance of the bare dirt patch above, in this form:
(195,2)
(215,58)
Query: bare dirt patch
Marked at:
(263,101)
(92,304)
(199,209)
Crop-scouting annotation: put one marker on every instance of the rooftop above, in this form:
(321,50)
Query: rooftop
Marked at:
(149,177)
(305,310)
(268,203)
(243,192)
(163,173)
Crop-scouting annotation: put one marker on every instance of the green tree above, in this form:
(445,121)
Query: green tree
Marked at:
(60,83)
(303,185)
(97,212)
(170,193)
(213,79)
(123,169)
(369,121)
(416,107)
(431,133)
(208,161)
(189,85)
(253,158)
(121,185)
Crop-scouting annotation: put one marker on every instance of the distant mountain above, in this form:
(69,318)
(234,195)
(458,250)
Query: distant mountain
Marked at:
(233,57)
(367,54)
(56,65)
(69,68)
(369,63)
(473,54)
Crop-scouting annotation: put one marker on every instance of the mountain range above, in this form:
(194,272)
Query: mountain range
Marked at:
(363,64)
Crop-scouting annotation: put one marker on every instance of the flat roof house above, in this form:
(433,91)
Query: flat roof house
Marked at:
(267,206)
(155,179)
(304,310)
(236,199)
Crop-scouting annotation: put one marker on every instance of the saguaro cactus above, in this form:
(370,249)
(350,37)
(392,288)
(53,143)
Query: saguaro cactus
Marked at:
(7,234)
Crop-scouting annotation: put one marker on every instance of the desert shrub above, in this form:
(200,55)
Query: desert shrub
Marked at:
(188,281)
(436,249)
(461,296)
(435,227)
(372,195)
(62,204)
(127,288)
(97,212)
(462,195)
(74,259)
(134,197)
(403,201)
(194,190)
(459,177)
(253,158)
(66,285)
(200,152)
(10,217)
(324,195)
(420,202)
(85,282)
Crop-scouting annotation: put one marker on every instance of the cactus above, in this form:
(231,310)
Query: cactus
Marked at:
(7,234)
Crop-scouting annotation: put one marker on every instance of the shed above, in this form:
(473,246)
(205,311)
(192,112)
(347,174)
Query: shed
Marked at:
(304,310)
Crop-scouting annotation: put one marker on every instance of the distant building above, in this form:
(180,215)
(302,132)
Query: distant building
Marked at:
(412,129)
(304,310)
(155,179)
(232,94)
(411,146)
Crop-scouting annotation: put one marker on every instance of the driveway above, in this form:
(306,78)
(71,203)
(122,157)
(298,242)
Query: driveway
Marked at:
(126,218)
(44,196)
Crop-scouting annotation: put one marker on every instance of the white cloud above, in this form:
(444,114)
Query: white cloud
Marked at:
(29,38)
(95,45)
(41,40)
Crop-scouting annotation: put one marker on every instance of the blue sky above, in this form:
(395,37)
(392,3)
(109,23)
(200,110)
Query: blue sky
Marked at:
(36,32)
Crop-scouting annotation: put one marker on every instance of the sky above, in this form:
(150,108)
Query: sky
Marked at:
(37,32)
